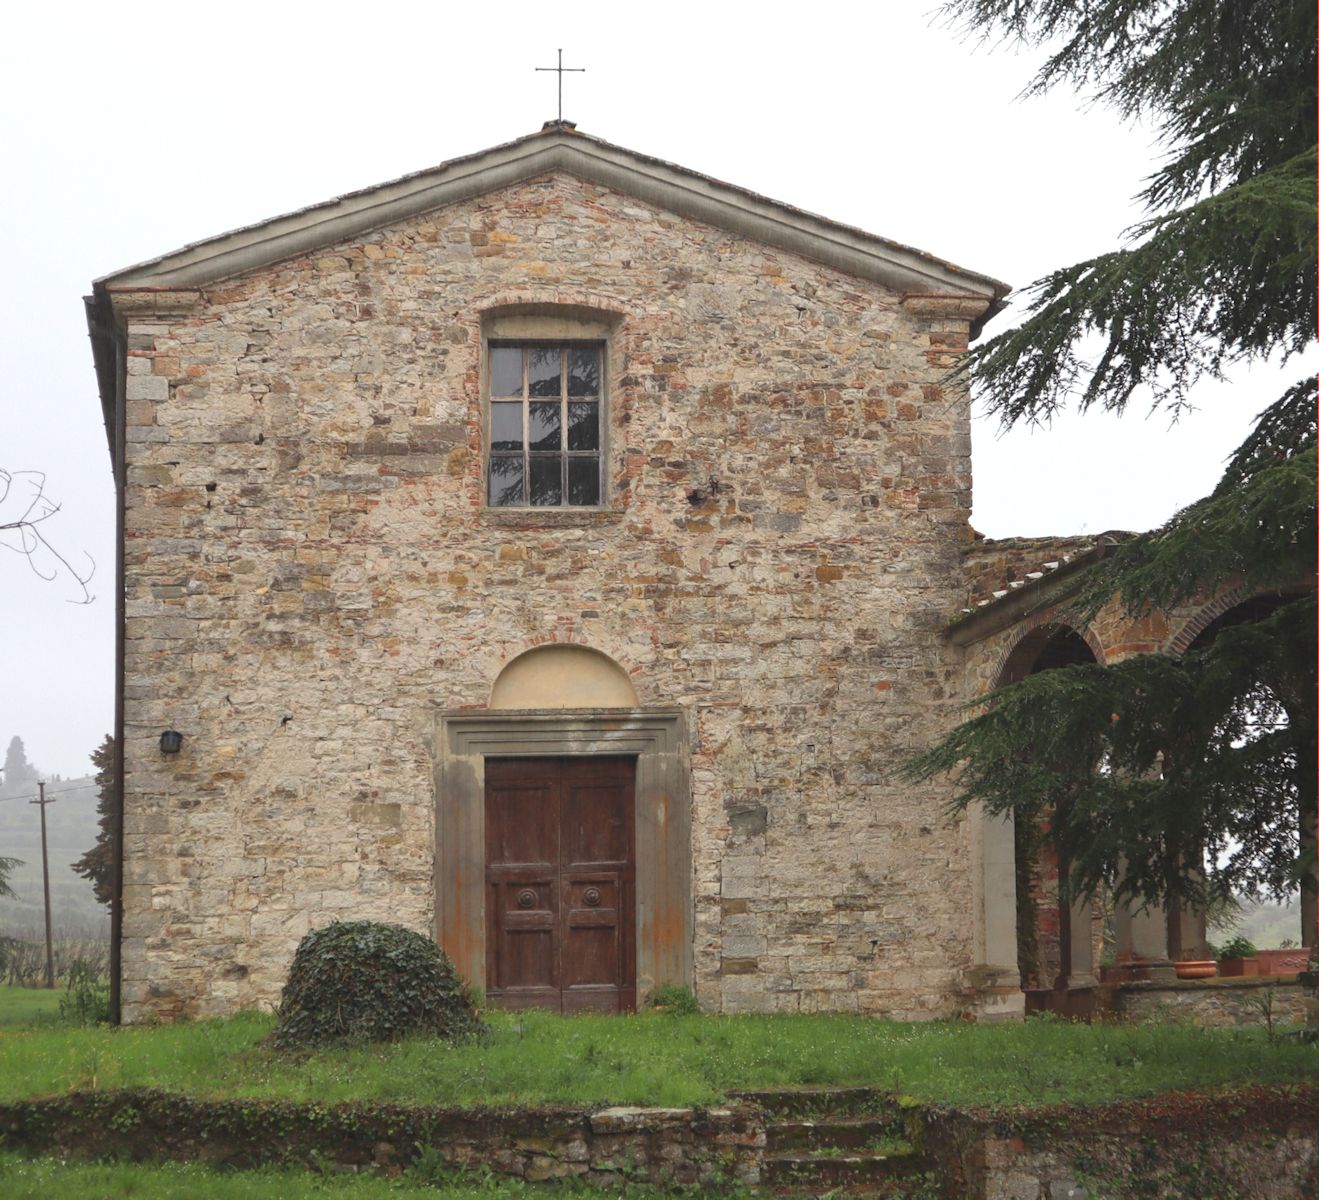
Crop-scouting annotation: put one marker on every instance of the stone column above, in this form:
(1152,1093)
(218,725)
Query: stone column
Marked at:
(1192,927)
(1081,967)
(994,980)
(1142,937)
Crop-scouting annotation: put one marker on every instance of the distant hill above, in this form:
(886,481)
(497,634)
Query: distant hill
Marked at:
(1268,925)
(71,827)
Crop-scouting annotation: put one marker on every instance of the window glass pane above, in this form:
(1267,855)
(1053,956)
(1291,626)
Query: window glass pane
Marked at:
(506,426)
(547,480)
(543,370)
(506,370)
(584,480)
(545,418)
(583,426)
(506,479)
(584,371)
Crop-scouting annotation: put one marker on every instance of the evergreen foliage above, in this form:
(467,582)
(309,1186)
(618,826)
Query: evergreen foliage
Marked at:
(7,866)
(98,863)
(1155,762)
(1229,85)
(1159,763)
(363,981)
(19,774)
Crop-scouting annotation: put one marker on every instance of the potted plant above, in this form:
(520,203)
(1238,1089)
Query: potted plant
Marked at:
(1236,958)
(1195,968)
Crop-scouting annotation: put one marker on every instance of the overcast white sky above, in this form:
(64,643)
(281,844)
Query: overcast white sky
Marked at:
(133,128)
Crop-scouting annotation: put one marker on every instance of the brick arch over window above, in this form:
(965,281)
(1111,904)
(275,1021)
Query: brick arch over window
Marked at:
(552,302)
(1016,660)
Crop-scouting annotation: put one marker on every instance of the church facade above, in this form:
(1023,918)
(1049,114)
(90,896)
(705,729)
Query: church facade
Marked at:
(553,551)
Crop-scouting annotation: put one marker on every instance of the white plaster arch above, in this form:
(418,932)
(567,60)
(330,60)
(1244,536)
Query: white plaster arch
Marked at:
(562,675)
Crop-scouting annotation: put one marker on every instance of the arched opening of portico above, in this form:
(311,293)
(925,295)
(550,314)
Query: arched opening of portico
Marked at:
(1286,702)
(1057,939)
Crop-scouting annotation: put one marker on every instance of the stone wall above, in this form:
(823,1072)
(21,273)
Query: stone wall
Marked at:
(1247,1143)
(312,575)
(607,1148)
(1252,1143)
(1212,1001)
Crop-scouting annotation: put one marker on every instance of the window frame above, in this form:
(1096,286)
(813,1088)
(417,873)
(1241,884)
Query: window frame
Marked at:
(563,454)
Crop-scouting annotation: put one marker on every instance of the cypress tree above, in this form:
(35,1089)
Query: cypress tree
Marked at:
(97,864)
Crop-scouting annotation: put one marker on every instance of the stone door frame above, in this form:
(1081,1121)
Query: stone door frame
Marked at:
(658,738)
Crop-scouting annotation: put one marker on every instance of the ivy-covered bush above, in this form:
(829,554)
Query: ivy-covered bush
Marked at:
(364,981)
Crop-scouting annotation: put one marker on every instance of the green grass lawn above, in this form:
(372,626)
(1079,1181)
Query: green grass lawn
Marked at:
(51,1179)
(537,1058)
(20,1007)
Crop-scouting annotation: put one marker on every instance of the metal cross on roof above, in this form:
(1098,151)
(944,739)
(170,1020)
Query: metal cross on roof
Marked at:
(560,69)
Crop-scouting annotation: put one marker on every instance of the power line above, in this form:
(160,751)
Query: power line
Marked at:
(81,787)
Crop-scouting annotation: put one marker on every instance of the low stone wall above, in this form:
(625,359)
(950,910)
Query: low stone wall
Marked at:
(710,1147)
(1232,1001)
(1255,1143)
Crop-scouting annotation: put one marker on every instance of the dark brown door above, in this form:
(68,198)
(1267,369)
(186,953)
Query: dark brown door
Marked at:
(560,867)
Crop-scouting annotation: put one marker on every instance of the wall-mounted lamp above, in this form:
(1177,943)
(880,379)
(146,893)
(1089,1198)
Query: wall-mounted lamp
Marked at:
(171,741)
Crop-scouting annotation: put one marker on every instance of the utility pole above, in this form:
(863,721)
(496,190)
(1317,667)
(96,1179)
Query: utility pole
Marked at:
(45,882)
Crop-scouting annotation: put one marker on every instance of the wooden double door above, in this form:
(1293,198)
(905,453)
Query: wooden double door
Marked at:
(560,852)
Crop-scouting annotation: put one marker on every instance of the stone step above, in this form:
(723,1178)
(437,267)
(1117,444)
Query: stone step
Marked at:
(915,1188)
(815,1101)
(831,1133)
(860,1173)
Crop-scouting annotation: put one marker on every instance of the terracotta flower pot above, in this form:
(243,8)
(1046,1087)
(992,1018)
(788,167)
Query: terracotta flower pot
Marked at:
(1197,969)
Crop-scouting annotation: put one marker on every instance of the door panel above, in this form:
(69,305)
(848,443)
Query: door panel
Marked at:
(527,949)
(560,874)
(520,824)
(594,830)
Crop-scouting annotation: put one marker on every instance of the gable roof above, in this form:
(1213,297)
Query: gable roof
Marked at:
(558,147)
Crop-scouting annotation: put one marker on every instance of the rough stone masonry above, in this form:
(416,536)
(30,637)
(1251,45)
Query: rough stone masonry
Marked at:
(311,573)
